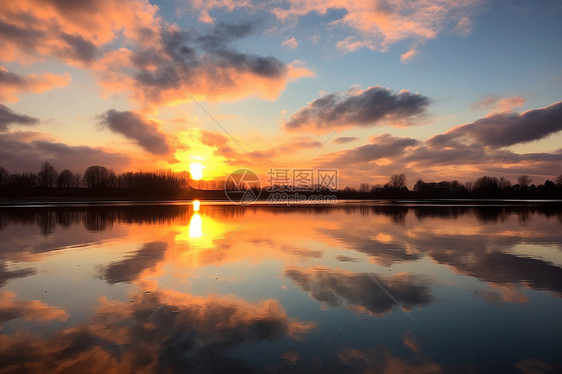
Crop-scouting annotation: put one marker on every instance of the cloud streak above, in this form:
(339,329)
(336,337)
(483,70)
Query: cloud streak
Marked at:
(9,117)
(363,108)
(144,132)
(12,84)
(505,129)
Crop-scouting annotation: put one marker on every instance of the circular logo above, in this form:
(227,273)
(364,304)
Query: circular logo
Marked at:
(242,186)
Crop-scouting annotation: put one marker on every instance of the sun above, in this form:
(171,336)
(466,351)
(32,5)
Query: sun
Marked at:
(196,170)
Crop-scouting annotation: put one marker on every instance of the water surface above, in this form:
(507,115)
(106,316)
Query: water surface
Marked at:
(349,288)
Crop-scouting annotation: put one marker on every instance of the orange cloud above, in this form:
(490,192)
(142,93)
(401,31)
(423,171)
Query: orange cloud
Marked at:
(33,310)
(135,336)
(381,24)
(290,43)
(497,104)
(14,84)
(71,31)
(407,56)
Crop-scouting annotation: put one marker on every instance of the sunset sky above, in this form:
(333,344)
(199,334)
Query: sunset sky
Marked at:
(436,89)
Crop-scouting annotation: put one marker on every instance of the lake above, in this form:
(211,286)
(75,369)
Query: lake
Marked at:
(355,287)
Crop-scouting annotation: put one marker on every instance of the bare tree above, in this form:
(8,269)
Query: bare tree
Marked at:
(524,181)
(96,176)
(559,180)
(364,187)
(3,176)
(68,179)
(398,181)
(504,184)
(47,175)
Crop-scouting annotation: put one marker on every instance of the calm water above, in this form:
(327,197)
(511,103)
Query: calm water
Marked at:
(271,289)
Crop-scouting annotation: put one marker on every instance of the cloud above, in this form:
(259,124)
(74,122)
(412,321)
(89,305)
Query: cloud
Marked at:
(133,50)
(407,56)
(34,310)
(6,275)
(144,132)
(72,31)
(380,24)
(130,269)
(9,117)
(12,84)
(199,333)
(359,291)
(345,139)
(381,146)
(364,108)
(24,151)
(464,26)
(186,65)
(505,129)
(497,104)
(290,43)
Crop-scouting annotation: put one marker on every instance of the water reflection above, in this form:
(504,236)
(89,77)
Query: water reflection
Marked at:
(111,289)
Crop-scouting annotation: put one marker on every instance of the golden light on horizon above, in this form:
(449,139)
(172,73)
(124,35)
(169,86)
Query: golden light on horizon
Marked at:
(197,151)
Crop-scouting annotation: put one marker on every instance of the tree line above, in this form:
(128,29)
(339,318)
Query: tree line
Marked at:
(95,177)
(483,187)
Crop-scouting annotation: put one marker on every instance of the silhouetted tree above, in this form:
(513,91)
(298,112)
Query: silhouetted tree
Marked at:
(418,187)
(47,176)
(487,186)
(559,181)
(96,176)
(397,181)
(364,187)
(4,175)
(524,181)
(22,180)
(504,184)
(68,179)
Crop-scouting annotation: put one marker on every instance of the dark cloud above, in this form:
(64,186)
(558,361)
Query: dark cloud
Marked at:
(144,132)
(205,64)
(8,116)
(25,38)
(19,154)
(505,129)
(197,334)
(381,147)
(360,290)
(79,48)
(7,77)
(366,108)
(72,8)
(129,269)
(216,46)
(345,139)
(6,275)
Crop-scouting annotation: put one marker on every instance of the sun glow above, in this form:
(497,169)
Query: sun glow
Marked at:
(196,170)
(196,151)
(195,226)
